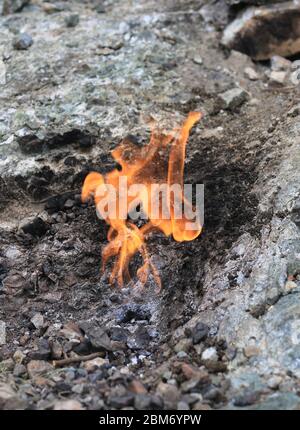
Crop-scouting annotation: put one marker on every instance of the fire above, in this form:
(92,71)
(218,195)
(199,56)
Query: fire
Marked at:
(159,162)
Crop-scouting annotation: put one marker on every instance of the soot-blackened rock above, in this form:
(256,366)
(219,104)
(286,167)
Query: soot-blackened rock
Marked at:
(36,227)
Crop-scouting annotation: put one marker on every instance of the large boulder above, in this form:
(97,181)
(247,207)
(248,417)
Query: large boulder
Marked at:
(262,32)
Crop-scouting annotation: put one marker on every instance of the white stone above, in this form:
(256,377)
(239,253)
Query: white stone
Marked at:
(210,354)
(251,74)
(2,333)
(278,77)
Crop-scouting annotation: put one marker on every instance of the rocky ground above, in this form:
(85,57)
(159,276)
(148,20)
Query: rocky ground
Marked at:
(78,76)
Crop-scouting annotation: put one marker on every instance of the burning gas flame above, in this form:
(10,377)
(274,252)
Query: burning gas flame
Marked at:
(160,162)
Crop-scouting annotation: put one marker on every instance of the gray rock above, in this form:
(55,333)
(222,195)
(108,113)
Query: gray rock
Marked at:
(38,367)
(72,20)
(233,98)
(22,42)
(51,7)
(169,393)
(38,320)
(2,72)
(2,333)
(7,365)
(246,399)
(119,334)
(19,370)
(199,332)
(183,345)
(68,405)
(97,336)
(280,64)
(282,328)
(140,339)
(276,401)
(279,401)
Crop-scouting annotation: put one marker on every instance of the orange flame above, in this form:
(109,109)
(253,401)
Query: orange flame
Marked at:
(160,162)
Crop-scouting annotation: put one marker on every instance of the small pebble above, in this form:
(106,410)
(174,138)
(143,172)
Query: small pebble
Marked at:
(233,98)
(19,370)
(251,74)
(278,77)
(67,405)
(37,320)
(274,382)
(251,351)
(19,356)
(72,20)
(182,406)
(197,59)
(289,286)
(181,354)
